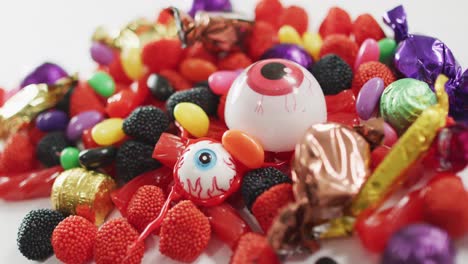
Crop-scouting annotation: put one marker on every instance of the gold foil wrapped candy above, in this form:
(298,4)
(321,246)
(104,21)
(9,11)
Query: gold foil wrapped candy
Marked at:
(84,193)
(331,164)
(217,31)
(26,104)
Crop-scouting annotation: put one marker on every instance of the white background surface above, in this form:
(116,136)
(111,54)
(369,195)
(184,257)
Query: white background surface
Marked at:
(32,32)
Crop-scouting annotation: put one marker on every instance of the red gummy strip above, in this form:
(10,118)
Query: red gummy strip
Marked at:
(29,185)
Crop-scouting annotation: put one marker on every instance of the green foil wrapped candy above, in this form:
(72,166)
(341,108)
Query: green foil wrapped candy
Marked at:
(403,101)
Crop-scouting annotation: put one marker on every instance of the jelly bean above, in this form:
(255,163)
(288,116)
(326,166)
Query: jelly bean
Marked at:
(244,148)
(220,81)
(97,157)
(159,86)
(226,223)
(369,51)
(87,139)
(108,131)
(196,70)
(368,97)
(69,158)
(312,43)
(131,63)
(102,83)
(347,118)
(176,80)
(52,120)
(101,53)
(121,104)
(377,155)
(288,34)
(387,47)
(192,118)
(81,122)
(391,136)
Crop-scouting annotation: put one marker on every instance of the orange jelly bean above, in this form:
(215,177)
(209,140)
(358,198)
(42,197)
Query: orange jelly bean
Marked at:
(244,148)
(196,70)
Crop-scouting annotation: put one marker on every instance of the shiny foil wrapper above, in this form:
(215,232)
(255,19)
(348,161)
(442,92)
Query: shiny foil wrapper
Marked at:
(409,148)
(135,34)
(217,31)
(425,58)
(331,164)
(26,104)
(84,193)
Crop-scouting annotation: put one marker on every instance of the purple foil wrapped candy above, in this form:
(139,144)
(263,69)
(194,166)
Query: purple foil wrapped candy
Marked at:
(424,58)
(419,244)
(290,52)
(47,73)
(210,5)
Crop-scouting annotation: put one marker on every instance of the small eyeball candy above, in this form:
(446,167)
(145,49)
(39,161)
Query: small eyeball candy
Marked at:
(275,101)
(206,173)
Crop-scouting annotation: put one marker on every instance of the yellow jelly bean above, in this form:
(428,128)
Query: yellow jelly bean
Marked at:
(192,118)
(312,43)
(108,132)
(288,34)
(131,63)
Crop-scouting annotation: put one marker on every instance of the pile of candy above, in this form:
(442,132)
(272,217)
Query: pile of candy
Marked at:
(192,117)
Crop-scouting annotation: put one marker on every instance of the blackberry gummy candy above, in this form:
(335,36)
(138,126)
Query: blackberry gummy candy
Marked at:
(35,233)
(134,158)
(333,74)
(146,124)
(200,96)
(49,148)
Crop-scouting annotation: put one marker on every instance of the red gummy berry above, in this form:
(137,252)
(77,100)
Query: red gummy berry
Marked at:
(160,177)
(226,223)
(345,101)
(73,240)
(145,206)
(269,203)
(164,17)
(445,205)
(254,248)
(268,11)
(185,232)
(337,21)
(234,61)
(296,17)
(117,72)
(371,70)
(197,50)
(162,54)
(263,37)
(196,70)
(115,240)
(18,155)
(84,99)
(177,81)
(365,27)
(341,46)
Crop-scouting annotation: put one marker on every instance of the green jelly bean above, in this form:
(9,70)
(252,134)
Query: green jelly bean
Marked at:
(69,158)
(387,47)
(102,83)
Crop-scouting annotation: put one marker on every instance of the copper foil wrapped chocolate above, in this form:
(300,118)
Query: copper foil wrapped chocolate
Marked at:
(26,104)
(424,58)
(84,193)
(216,30)
(331,164)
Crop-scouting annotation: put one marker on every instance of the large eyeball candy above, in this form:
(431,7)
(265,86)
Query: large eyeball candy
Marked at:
(206,173)
(275,101)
